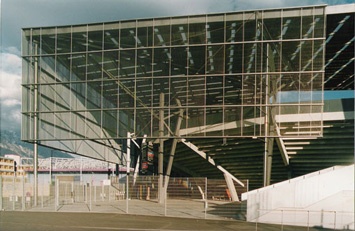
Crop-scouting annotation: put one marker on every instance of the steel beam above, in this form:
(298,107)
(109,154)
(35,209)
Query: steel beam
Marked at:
(210,160)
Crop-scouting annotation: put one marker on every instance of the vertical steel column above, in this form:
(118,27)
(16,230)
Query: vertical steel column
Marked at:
(35,131)
(173,146)
(269,126)
(161,149)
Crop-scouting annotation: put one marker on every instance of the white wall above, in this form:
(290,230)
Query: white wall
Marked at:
(299,194)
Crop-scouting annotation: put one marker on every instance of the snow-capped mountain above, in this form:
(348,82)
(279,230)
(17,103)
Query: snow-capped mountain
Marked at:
(10,143)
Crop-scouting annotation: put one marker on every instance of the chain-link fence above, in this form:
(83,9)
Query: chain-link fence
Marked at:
(184,197)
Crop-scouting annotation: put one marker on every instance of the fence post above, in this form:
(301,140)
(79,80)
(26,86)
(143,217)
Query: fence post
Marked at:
(23,193)
(282,220)
(335,219)
(42,194)
(13,192)
(95,193)
(165,201)
(72,192)
(205,198)
(127,191)
(0,193)
(56,200)
(90,186)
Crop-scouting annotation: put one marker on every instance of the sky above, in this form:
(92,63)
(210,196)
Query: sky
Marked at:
(17,14)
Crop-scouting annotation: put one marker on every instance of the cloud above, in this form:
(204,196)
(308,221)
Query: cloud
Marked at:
(10,89)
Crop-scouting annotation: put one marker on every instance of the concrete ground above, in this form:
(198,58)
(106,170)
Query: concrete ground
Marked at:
(64,221)
(142,215)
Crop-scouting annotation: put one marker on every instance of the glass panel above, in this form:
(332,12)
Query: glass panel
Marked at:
(214,90)
(215,25)
(63,40)
(233,90)
(95,37)
(126,92)
(128,38)
(145,36)
(234,28)
(109,123)
(46,98)
(234,59)
(27,99)
(179,32)
(46,125)
(48,41)
(109,94)
(127,63)
(319,27)
(197,59)
(306,55)
(161,62)
(179,61)
(290,54)
(111,37)
(79,128)
(197,31)
(144,122)
(78,66)
(62,96)
(62,68)
(78,96)
(27,127)
(291,24)
(197,91)
(272,25)
(80,39)
(162,35)
(94,66)
(26,42)
(47,69)
(94,128)
(274,57)
(196,121)
(250,51)
(179,86)
(214,116)
(251,32)
(144,92)
(160,85)
(62,122)
(110,64)
(232,119)
(144,63)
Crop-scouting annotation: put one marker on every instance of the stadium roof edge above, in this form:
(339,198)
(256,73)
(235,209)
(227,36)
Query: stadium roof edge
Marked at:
(340,9)
(187,15)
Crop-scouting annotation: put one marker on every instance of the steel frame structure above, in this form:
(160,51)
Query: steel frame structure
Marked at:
(238,74)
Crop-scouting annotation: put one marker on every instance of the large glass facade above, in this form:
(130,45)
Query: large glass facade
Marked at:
(230,73)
